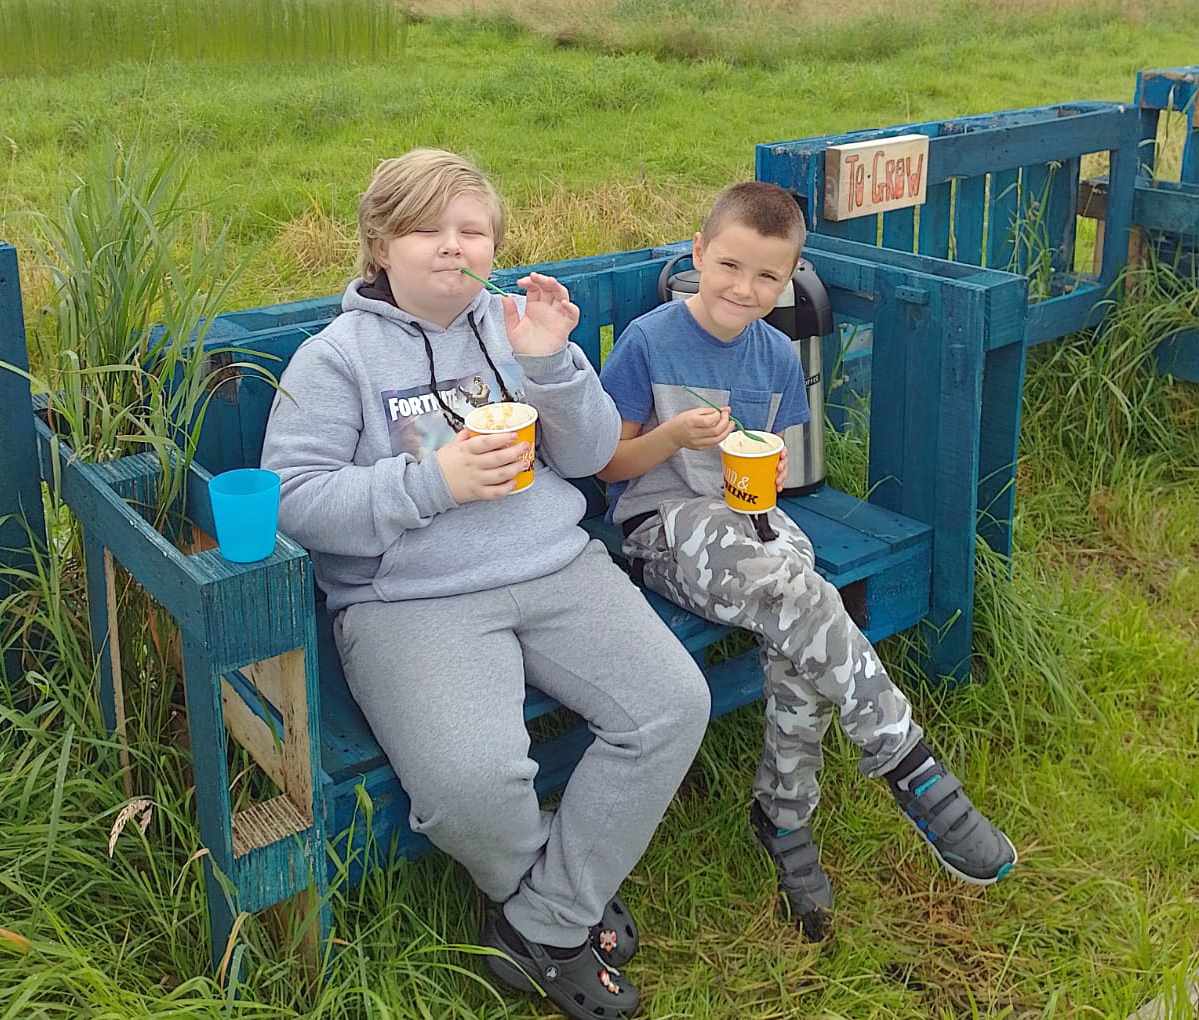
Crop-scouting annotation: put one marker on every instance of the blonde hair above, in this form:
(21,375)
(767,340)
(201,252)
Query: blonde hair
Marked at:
(410,191)
(766,208)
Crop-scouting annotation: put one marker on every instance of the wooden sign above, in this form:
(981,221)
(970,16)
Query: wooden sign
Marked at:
(872,177)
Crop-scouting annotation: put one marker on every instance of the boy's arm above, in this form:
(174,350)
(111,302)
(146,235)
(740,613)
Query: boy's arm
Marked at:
(578,423)
(637,452)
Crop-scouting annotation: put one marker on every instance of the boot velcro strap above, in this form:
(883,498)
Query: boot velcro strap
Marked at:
(938,807)
(794,852)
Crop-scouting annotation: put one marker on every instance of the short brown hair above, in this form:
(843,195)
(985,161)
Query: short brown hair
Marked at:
(766,208)
(409,191)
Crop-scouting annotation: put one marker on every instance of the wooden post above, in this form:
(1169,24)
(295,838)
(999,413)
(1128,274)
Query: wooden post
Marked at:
(22,525)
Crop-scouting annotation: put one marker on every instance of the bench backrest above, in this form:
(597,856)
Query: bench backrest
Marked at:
(903,299)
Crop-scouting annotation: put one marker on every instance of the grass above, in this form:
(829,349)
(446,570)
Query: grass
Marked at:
(275,140)
(37,36)
(609,127)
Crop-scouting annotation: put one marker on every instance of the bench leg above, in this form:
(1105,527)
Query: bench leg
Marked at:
(999,444)
(264,852)
(278,843)
(213,808)
(304,924)
(118,684)
(926,392)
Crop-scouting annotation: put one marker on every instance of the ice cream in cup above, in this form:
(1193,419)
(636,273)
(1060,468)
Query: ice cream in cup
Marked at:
(508,416)
(750,468)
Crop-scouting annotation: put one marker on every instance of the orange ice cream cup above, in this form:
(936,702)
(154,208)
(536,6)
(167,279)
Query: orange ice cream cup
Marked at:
(750,469)
(507,416)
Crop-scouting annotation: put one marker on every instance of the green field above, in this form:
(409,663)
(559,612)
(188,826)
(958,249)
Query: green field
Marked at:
(610,125)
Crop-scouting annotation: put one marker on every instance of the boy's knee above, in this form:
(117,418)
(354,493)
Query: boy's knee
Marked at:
(684,702)
(815,600)
(472,783)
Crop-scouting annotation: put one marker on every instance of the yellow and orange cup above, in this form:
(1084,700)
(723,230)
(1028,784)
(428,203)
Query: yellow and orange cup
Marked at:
(750,468)
(508,416)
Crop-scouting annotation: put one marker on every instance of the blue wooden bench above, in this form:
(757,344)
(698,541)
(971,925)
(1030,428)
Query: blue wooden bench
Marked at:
(257,651)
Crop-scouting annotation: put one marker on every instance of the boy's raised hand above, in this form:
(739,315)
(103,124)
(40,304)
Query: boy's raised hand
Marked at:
(482,467)
(700,428)
(549,316)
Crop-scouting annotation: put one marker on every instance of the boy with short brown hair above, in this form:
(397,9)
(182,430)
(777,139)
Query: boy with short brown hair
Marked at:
(665,489)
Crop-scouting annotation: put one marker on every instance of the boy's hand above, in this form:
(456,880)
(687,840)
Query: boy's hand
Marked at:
(482,467)
(699,428)
(549,316)
(780,476)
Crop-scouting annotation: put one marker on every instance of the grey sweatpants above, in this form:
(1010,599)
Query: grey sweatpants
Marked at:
(442,683)
(703,556)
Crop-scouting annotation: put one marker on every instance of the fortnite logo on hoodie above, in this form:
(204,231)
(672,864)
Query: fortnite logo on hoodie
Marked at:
(416,420)
(408,407)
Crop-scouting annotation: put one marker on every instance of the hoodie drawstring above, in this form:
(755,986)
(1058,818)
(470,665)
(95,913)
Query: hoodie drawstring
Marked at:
(453,419)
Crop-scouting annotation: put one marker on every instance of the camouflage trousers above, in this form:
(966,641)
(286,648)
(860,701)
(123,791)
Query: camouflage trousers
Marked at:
(706,558)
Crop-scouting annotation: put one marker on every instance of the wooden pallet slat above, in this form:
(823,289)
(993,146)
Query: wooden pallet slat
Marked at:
(934,217)
(969,216)
(1003,202)
(899,229)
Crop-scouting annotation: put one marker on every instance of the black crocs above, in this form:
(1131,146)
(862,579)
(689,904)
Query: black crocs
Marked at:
(581,986)
(615,938)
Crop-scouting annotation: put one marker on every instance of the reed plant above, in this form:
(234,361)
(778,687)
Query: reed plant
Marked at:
(137,281)
(1127,417)
(1033,250)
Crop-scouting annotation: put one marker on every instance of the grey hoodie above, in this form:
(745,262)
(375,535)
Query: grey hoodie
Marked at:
(353,438)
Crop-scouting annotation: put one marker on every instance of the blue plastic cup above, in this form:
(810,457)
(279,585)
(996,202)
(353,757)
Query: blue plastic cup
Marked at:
(245,509)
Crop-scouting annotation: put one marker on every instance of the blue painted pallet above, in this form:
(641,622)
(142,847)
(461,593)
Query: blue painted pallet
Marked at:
(20,488)
(1167,214)
(1170,90)
(1001,187)
(1169,211)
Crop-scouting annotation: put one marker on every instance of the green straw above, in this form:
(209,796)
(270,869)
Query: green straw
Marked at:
(486,283)
(756,439)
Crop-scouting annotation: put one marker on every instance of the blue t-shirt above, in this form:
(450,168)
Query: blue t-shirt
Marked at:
(758,375)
